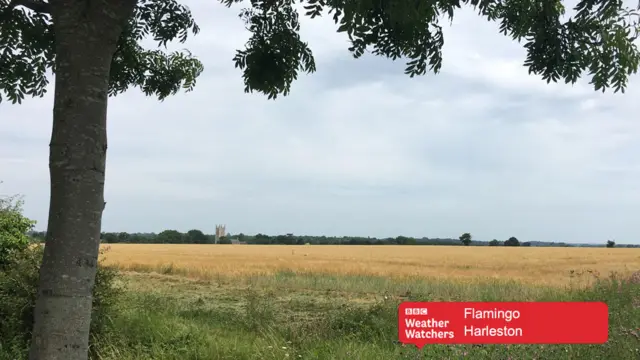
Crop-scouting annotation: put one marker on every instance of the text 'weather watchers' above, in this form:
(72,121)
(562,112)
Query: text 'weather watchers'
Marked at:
(422,323)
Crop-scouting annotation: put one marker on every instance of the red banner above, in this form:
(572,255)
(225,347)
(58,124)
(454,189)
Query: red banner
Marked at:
(422,323)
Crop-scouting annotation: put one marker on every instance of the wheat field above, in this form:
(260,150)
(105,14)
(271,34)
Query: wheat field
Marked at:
(544,266)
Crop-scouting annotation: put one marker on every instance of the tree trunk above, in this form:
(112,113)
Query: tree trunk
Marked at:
(86,36)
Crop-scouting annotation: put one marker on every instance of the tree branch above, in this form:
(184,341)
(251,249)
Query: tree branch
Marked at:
(38,6)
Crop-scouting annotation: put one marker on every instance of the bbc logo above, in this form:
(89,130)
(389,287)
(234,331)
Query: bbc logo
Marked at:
(416,311)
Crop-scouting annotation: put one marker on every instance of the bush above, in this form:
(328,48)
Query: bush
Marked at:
(18,289)
(13,228)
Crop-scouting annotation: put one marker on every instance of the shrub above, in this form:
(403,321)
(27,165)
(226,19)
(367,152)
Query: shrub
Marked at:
(18,289)
(13,228)
(19,275)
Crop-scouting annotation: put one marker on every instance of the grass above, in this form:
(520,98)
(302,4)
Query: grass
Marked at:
(311,310)
(528,265)
(289,316)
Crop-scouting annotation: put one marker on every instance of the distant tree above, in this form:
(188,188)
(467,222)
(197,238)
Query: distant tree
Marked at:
(224,240)
(281,239)
(465,239)
(512,242)
(526,243)
(291,239)
(611,243)
(262,239)
(37,237)
(123,237)
(494,242)
(110,238)
(404,240)
(170,237)
(141,239)
(196,237)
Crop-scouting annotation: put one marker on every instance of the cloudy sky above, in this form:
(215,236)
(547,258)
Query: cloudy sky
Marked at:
(359,148)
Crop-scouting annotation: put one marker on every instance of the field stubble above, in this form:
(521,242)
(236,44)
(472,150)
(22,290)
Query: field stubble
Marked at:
(528,265)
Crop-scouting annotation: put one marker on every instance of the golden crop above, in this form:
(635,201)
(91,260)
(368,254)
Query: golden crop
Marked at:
(549,266)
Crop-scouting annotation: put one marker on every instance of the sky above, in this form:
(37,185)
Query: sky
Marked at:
(358,148)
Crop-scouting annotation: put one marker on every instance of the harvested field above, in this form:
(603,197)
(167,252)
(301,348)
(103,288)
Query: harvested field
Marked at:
(529,265)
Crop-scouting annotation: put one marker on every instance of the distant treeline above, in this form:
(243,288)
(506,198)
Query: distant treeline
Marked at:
(198,237)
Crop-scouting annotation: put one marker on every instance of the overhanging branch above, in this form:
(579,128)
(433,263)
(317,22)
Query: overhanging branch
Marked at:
(38,6)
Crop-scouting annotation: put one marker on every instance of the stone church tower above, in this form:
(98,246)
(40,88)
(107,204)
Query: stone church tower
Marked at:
(221,231)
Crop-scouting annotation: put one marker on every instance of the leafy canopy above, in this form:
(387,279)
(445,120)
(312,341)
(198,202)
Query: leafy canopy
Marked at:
(27,49)
(598,39)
